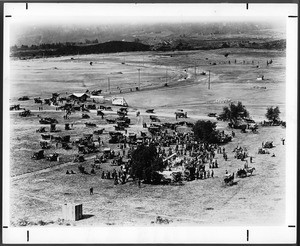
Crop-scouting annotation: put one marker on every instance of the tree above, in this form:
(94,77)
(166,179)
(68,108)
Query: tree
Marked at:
(234,112)
(273,114)
(205,131)
(146,163)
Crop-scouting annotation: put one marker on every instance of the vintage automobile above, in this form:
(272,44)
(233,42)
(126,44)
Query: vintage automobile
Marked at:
(100,112)
(268,144)
(263,151)
(228,179)
(15,107)
(41,129)
(79,158)
(100,131)
(66,146)
(181,114)
(48,120)
(25,113)
(154,118)
(96,92)
(90,124)
(46,136)
(23,98)
(111,121)
(124,118)
(67,126)
(212,114)
(38,155)
(122,111)
(116,137)
(45,144)
(150,111)
(52,157)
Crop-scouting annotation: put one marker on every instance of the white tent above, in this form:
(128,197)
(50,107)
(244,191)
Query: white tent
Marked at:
(119,101)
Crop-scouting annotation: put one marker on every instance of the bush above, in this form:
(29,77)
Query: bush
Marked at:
(234,112)
(273,114)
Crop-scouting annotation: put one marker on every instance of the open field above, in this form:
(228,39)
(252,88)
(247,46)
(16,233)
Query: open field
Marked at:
(38,188)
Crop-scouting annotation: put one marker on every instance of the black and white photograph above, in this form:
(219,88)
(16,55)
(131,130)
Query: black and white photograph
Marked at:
(149,122)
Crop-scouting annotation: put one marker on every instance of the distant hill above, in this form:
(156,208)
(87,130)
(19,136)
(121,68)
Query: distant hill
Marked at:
(29,42)
(151,34)
(71,49)
(108,47)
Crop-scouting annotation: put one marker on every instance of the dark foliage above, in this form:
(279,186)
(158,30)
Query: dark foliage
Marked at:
(146,163)
(234,112)
(273,114)
(81,169)
(74,49)
(205,131)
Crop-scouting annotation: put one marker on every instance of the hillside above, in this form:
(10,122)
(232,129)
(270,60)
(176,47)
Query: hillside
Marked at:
(71,49)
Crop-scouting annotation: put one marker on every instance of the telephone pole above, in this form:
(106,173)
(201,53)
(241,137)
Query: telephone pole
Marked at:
(209,79)
(139,77)
(166,75)
(108,84)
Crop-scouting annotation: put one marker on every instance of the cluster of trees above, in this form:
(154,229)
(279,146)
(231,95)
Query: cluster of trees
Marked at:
(234,112)
(273,114)
(205,131)
(146,164)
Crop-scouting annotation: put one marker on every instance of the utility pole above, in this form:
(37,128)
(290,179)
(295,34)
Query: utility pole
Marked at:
(195,71)
(139,77)
(209,79)
(166,75)
(108,84)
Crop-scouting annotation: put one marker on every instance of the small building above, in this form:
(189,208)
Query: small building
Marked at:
(82,97)
(72,211)
(119,101)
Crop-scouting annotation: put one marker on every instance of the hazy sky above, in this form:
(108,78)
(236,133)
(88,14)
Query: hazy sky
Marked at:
(68,15)
(93,13)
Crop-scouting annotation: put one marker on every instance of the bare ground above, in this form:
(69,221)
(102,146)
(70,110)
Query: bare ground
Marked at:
(38,188)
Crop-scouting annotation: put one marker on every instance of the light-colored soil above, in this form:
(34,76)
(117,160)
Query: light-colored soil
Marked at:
(39,188)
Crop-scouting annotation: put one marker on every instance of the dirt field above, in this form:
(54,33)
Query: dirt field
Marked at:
(39,188)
